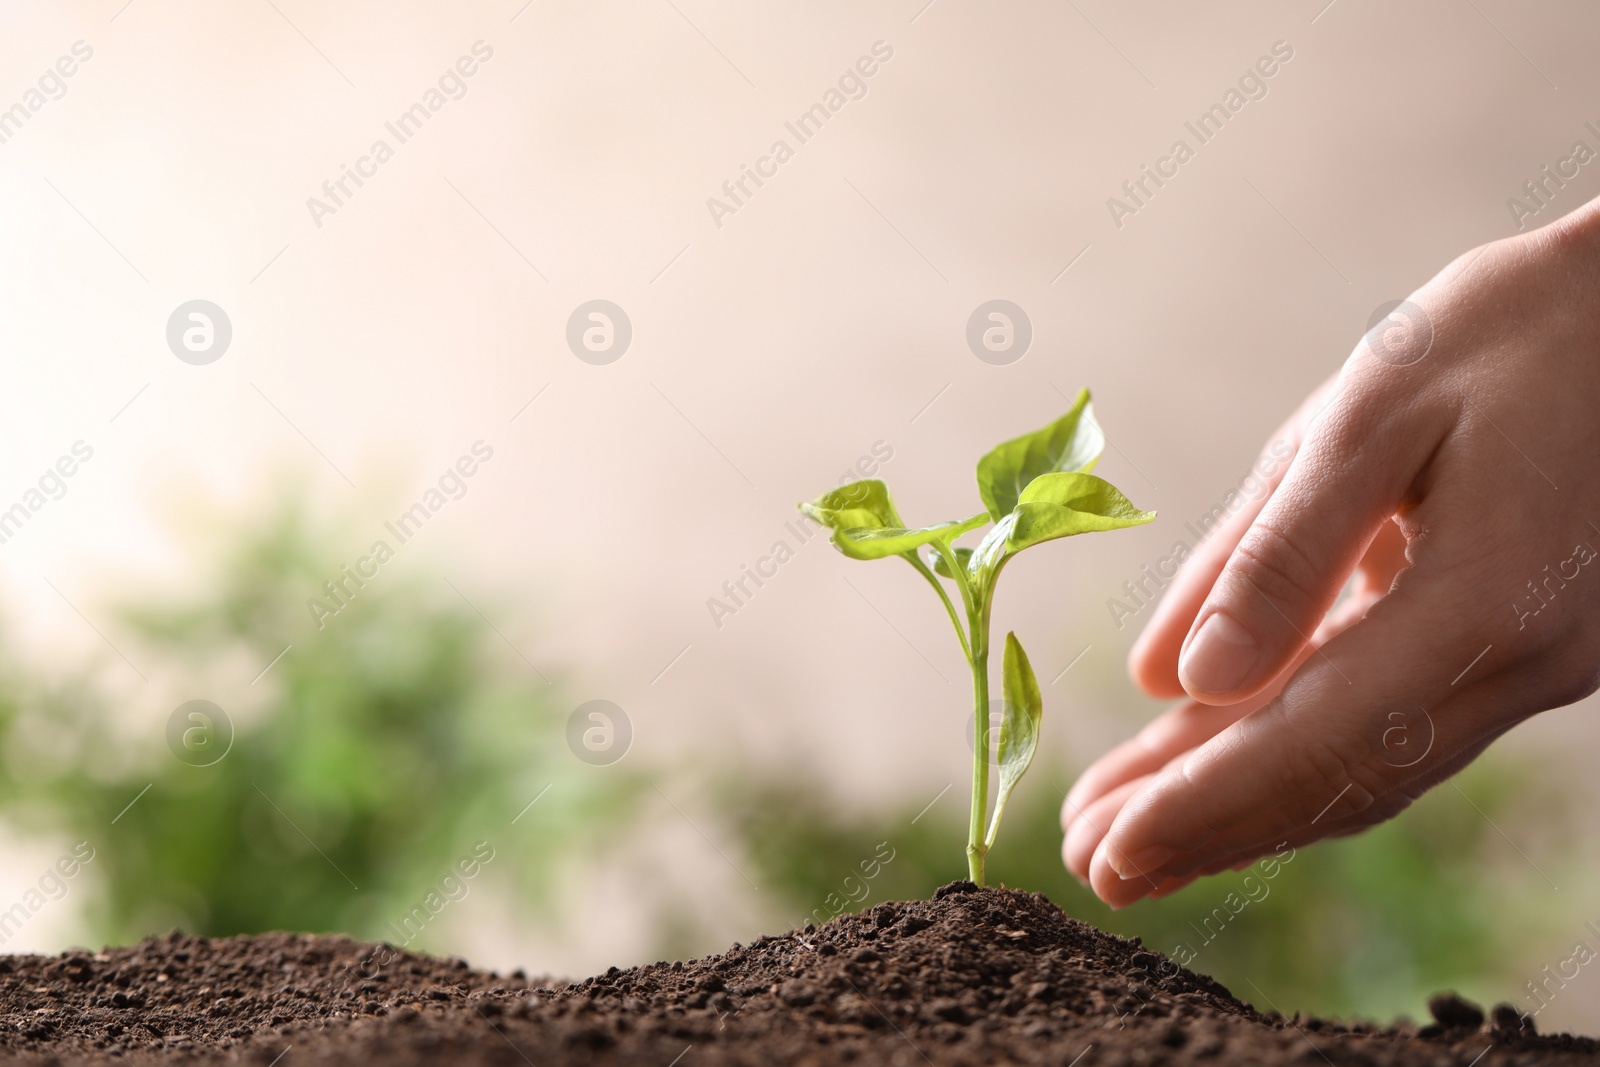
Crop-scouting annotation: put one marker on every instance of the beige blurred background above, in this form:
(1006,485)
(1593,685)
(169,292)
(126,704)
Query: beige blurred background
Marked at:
(768,354)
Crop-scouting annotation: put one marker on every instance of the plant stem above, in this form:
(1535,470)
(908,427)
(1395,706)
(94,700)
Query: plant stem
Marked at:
(959,573)
(975,597)
(979,603)
(977,849)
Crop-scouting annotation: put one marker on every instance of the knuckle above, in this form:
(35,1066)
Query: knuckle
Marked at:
(1331,781)
(1358,422)
(1184,780)
(1271,560)
(1334,785)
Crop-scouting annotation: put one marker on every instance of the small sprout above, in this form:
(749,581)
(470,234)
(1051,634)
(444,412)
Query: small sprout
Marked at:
(1034,488)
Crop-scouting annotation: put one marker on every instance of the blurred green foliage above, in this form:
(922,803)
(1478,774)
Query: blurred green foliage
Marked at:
(367,761)
(1368,925)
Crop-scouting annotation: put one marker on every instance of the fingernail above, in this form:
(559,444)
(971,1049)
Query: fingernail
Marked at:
(1219,657)
(1141,862)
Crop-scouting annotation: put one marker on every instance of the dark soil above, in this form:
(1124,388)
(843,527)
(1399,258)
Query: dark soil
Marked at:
(978,977)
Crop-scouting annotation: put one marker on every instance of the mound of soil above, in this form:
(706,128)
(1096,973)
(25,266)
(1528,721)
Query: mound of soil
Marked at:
(974,976)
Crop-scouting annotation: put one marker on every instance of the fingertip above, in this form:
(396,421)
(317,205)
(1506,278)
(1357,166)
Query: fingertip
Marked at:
(1102,776)
(1069,813)
(1072,803)
(1219,660)
(1153,668)
(1128,762)
(1080,877)
(1160,683)
(1094,819)
(1112,888)
(1154,837)
(1078,847)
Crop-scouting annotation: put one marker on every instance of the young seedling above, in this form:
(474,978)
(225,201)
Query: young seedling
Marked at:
(1035,488)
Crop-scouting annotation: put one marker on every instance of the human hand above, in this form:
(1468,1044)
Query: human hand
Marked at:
(1450,469)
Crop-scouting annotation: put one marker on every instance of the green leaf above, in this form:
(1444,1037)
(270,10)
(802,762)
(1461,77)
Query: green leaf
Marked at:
(1071,443)
(868,543)
(963,555)
(865,524)
(1061,505)
(855,505)
(1019,726)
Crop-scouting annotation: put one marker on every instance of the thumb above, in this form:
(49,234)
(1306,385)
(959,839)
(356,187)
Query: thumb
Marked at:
(1351,475)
